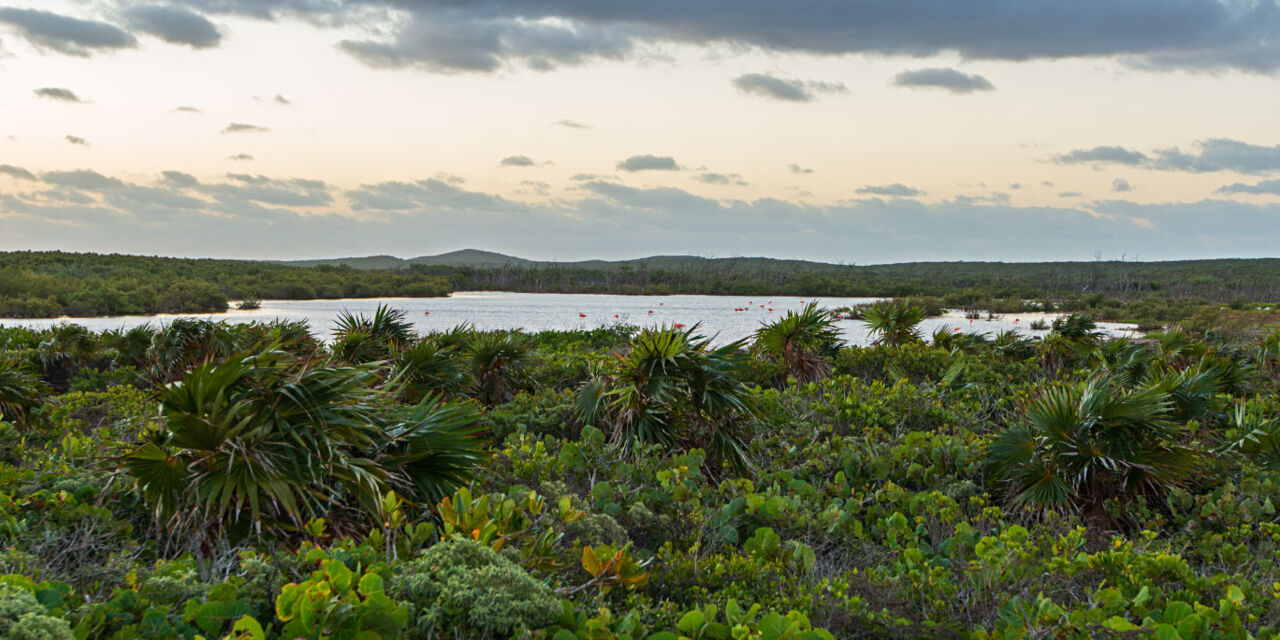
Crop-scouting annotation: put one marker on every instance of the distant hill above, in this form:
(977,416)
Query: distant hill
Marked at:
(489,259)
(470,258)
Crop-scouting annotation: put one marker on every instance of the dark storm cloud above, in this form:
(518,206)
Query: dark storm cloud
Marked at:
(1267,187)
(175,25)
(16,172)
(517,161)
(64,34)
(896,189)
(1101,155)
(648,163)
(943,78)
(468,35)
(58,93)
(241,127)
(788,90)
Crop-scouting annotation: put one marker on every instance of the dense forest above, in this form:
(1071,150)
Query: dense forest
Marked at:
(51,284)
(208,480)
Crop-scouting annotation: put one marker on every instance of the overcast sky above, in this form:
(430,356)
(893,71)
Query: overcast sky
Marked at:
(858,132)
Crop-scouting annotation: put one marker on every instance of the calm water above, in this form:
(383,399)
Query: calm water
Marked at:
(543,311)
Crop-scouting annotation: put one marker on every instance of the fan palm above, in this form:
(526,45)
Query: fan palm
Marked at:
(185,343)
(359,338)
(497,361)
(264,441)
(1258,436)
(20,390)
(1082,444)
(672,387)
(426,367)
(894,322)
(1077,327)
(803,341)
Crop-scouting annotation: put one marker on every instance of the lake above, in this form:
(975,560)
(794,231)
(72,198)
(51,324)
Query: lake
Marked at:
(728,317)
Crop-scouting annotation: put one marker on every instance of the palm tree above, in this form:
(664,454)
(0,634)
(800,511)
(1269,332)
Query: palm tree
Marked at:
(1268,351)
(266,441)
(802,341)
(185,343)
(426,367)
(1258,436)
(1082,444)
(894,322)
(1077,327)
(20,390)
(497,360)
(358,339)
(671,387)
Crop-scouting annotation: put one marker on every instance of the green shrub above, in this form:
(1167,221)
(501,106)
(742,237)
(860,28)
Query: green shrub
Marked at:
(460,588)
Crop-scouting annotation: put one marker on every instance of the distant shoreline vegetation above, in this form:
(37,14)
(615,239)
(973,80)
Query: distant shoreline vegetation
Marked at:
(52,284)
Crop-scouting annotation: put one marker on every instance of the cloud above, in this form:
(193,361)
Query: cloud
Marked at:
(648,163)
(452,36)
(1070,194)
(570,124)
(1102,155)
(292,192)
(517,161)
(471,39)
(1120,185)
(59,94)
(81,179)
(1214,154)
(943,78)
(77,140)
(241,127)
(431,193)
(720,178)
(896,189)
(767,86)
(281,100)
(585,177)
(175,25)
(179,179)
(536,187)
(16,172)
(240,216)
(240,157)
(187,109)
(64,34)
(1268,187)
(795,168)
(1221,154)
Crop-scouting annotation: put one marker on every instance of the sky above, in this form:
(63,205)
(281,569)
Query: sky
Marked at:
(857,132)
